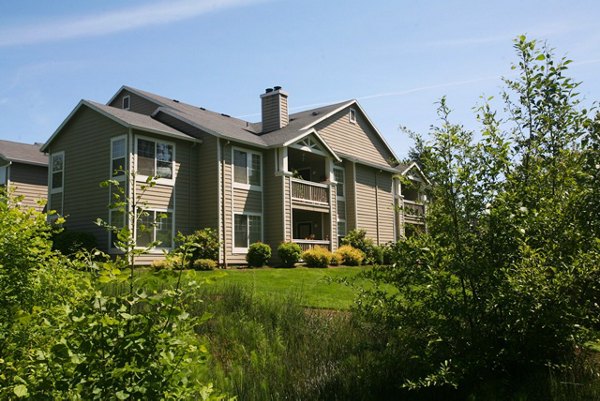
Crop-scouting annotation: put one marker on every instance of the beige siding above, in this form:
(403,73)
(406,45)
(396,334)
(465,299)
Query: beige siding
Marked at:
(137,103)
(157,197)
(374,199)
(86,143)
(355,139)
(288,222)
(31,182)
(247,201)
(350,170)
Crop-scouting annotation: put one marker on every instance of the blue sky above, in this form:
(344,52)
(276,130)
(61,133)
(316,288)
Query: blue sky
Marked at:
(396,57)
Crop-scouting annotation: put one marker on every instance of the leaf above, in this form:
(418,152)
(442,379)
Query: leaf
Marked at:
(122,395)
(20,391)
(540,57)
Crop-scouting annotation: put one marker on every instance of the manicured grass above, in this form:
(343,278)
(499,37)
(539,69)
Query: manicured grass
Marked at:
(315,288)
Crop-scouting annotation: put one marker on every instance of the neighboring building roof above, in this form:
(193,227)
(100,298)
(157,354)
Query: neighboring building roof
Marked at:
(23,153)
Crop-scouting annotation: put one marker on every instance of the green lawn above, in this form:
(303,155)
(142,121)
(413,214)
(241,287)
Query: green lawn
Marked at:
(315,287)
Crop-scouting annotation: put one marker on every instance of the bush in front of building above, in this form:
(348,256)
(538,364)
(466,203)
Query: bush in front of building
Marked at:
(350,256)
(289,253)
(258,254)
(358,239)
(317,257)
(204,264)
(205,244)
(69,242)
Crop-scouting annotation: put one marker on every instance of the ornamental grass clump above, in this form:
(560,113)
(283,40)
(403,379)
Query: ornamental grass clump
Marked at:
(350,256)
(317,257)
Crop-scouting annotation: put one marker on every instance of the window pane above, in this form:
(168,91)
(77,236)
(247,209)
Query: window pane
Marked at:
(57,180)
(241,231)
(240,164)
(255,170)
(164,229)
(145,157)
(2,175)
(118,148)
(164,160)
(118,167)
(341,210)
(255,229)
(144,229)
(341,228)
(339,178)
(57,162)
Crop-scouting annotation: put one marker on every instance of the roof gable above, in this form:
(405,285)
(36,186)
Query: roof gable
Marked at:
(359,140)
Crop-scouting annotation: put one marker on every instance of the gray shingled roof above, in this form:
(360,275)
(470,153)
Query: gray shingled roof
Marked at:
(137,120)
(23,153)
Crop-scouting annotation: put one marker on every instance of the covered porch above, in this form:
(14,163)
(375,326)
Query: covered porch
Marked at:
(311,229)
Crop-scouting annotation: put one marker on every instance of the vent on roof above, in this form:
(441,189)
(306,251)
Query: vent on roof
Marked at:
(176,101)
(202,108)
(315,113)
(225,115)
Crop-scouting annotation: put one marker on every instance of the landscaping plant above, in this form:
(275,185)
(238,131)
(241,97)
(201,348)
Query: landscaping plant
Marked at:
(289,253)
(258,254)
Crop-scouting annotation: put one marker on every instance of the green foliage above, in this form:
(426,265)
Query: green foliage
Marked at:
(289,253)
(205,264)
(505,283)
(358,239)
(69,242)
(258,254)
(317,257)
(350,256)
(63,337)
(204,244)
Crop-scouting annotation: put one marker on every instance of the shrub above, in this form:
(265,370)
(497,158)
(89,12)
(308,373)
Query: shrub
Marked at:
(69,242)
(317,257)
(205,264)
(350,256)
(358,239)
(171,262)
(205,244)
(336,259)
(258,254)
(289,253)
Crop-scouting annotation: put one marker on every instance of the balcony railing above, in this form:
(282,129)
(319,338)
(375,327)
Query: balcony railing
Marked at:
(309,192)
(307,244)
(414,209)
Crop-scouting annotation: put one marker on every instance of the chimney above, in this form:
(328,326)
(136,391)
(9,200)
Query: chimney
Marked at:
(274,109)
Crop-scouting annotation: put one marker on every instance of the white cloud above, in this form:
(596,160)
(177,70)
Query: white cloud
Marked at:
(116,21)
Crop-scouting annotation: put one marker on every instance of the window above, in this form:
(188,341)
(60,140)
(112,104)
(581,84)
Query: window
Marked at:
(155,158)
(58,166)
(247,230)
(352,116)
(126,101)
(339,175)
(247,169)
(3,174)
(153,225)
(118,157)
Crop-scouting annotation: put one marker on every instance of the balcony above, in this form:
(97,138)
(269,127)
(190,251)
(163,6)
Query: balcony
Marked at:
(308,193)
(414,211)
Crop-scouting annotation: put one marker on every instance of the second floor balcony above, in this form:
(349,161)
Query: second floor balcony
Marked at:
(310,193)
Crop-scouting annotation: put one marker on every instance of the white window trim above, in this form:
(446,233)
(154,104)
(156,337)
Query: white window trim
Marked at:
(128,98)
(243,250)
(352,116)
(248,166)
(142,177)
(161,248)
(112,158)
